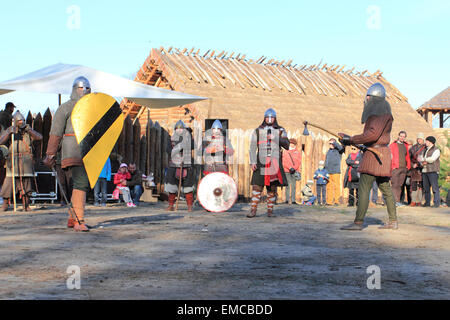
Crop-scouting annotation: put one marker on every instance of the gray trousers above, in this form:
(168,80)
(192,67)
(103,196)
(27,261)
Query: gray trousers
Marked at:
(430,180)
(290,188)
(321,193)
(100,193)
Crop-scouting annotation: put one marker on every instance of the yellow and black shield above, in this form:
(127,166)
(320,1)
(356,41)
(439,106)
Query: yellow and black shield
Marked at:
(97,122)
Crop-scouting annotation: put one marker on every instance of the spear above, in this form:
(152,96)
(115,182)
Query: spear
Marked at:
(12,166)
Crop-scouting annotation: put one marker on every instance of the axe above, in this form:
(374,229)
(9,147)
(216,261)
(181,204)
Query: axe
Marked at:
(359,146)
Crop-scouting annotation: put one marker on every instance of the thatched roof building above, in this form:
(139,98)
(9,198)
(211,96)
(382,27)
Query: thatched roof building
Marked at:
(240,89)
(439,104)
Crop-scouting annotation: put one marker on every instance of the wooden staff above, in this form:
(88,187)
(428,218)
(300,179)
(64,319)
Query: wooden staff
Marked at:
(12,167)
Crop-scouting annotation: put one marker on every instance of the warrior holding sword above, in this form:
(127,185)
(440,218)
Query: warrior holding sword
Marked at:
(377,119)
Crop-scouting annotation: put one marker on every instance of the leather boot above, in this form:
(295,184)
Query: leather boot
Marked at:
(5,204)
(172,197)
(355,226)
(78,202)
(190,201)
(256,197)
(70,223)
(390,225)
(271,198)
(26,203)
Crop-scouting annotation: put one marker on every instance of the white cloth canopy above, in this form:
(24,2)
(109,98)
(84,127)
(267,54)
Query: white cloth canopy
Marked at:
(59,78)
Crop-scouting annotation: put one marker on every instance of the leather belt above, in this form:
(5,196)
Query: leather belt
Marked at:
(379,145)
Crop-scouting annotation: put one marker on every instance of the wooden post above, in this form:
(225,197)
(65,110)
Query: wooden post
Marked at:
(429,117)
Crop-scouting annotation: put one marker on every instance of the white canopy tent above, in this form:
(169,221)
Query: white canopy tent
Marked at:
(59,78)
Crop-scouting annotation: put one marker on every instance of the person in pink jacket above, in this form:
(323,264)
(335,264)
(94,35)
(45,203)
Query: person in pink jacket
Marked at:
(120,180)
(292,161)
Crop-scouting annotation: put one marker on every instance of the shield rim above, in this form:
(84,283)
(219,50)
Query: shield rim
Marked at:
(235,200)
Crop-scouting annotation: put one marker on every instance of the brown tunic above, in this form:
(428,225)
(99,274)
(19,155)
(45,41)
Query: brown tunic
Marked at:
(377,132)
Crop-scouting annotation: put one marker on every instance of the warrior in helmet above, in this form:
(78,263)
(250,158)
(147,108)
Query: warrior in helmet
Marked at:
(377,119)
(62,132)
(23,136)
(181,166)
(216,149)
(266,160)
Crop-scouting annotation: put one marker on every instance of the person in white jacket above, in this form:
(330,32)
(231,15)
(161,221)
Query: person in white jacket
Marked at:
(430,172)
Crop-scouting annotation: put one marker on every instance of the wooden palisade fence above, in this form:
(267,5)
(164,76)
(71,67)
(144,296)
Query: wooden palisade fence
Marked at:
(147,148)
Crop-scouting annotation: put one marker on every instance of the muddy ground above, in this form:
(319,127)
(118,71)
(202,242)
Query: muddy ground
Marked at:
(146,253)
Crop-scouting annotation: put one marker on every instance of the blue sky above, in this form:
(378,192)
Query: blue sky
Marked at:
(407,40)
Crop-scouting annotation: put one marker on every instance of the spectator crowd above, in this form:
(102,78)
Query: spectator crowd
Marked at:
(414,174)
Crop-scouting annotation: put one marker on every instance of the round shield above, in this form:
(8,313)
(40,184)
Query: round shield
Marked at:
(217,192)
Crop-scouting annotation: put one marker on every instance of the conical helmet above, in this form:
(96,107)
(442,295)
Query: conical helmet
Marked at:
(180,125)
(377,90)
(82,82)
(270,113)
(19,117)
(217,125)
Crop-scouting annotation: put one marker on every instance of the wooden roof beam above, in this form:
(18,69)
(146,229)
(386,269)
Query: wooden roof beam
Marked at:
(259,60)
(206,53)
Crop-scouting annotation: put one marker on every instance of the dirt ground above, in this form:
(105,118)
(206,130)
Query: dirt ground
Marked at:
(146,253)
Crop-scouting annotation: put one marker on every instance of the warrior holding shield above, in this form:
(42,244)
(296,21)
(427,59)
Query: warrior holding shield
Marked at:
(62,132)
(217,191)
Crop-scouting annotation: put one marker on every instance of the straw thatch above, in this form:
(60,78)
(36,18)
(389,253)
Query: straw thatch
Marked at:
(439,102)
(240,89)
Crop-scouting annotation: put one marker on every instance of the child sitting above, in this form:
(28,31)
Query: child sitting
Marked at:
(308,196)
(322,177)
(120,180)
